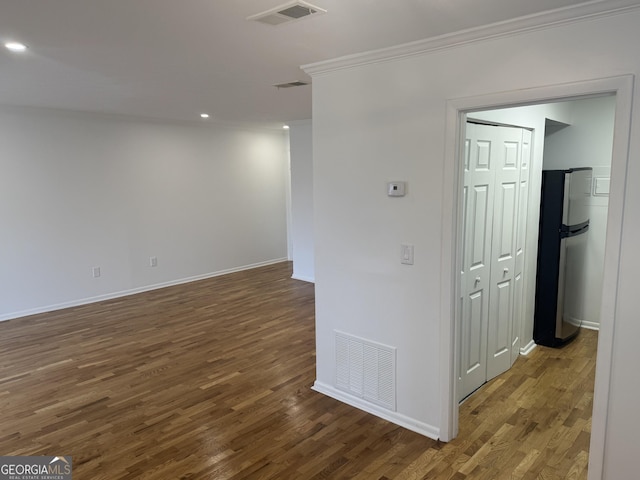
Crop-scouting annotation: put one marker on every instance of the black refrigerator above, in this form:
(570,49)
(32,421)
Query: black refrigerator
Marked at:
(564,223)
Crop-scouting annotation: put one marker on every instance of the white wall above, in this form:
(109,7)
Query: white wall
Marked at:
(587,142)
(386,120)
(80,190)
(588,139)
(300,135)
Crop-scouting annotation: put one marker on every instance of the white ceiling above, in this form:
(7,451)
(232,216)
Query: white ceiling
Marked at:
(173,59)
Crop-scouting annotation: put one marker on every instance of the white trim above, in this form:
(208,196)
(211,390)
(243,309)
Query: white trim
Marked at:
(528,23)
(133,291)
(576,322)
(622,86)
(394,417)
(449,359)
(288,197)
(590,325)
(611,273)
(304,278)
(527,349)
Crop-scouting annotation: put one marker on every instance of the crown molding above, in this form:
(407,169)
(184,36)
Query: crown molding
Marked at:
(538,21)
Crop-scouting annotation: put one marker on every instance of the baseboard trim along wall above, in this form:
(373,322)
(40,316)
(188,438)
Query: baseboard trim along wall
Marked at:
(579,322)
(394,417)
(304,278)
(528,348)
(590,325)
(133,291)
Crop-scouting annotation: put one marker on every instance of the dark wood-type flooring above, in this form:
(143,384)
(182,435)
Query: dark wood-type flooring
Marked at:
(211,380)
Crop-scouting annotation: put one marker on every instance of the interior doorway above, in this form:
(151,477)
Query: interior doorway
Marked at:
(498,234)
(457,111)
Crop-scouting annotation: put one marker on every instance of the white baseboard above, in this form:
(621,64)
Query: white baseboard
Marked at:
(133,291)
(303,278)
(576,322)
(528,348)
(393,417)
(590,325)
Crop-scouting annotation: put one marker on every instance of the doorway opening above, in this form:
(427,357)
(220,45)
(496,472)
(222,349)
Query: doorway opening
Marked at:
(457,113)
(505,151)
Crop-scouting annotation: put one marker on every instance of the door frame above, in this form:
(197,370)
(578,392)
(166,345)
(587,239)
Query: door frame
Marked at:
(457,109)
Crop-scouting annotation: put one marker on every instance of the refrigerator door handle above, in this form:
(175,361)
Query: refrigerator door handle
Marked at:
(573,230)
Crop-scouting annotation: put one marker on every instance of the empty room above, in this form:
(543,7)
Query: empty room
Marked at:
(307,240)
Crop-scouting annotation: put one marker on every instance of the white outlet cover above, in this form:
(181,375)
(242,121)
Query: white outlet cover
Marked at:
(396,189)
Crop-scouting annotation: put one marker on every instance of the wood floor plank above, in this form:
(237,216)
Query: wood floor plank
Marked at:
(212,380)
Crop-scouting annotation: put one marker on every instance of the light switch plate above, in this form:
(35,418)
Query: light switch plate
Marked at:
(406,254)
(601,186)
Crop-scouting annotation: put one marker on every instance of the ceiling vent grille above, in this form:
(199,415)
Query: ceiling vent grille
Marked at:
(297,83)
(287,13)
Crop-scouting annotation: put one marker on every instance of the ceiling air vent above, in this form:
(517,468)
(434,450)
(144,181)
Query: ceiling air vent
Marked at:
(297,83)
(288,12)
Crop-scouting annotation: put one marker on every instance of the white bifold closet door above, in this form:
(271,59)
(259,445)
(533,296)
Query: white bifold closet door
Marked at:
(496,180)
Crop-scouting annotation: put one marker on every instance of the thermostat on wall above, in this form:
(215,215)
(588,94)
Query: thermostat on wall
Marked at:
(396,189)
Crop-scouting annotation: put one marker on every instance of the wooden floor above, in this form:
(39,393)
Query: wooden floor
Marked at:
(211,380)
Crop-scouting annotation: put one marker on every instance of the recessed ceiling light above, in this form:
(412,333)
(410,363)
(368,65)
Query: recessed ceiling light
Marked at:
(286,127)
(204,115)
(16,47)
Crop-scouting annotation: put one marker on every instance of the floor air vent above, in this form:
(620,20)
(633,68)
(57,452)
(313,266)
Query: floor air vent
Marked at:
(287,13)
(366,369)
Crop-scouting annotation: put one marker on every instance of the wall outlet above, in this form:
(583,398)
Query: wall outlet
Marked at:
(396,189)
(153,261)
(95,271)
